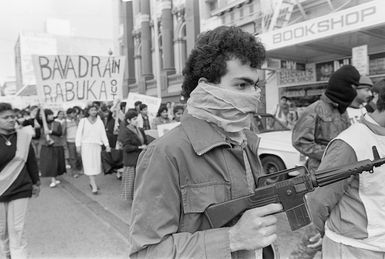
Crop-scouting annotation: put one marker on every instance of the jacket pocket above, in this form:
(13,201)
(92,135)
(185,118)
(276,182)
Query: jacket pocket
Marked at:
(197,197)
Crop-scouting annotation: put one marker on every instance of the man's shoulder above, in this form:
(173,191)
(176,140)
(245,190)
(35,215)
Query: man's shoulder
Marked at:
(172,140)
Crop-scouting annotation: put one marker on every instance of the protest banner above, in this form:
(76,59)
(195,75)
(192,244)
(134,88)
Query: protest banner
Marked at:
(164,128)
(64,78)
(152,103)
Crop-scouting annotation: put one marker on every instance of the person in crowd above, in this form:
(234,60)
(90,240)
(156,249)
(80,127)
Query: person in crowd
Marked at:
(79,113)
(350,214)
(60,117)
(371,105)
(143,118)
(364,93)
(170,108)
(52,149)
(33,121)
(209,158)
(109,124)
(19,181)
(282,110)
(73,156)
(161,117)
(137,106)
(317,126)
(90,136)
(133,142)
(178,112)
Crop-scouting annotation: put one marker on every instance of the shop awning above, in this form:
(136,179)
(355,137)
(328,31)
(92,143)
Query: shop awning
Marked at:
(331,36)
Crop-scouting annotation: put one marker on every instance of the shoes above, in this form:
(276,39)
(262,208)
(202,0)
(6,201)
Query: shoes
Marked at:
(94,192)
(52,185)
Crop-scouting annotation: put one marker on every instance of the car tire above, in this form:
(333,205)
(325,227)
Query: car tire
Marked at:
(273,164)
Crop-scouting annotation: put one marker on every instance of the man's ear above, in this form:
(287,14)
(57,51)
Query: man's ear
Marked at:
(203,80)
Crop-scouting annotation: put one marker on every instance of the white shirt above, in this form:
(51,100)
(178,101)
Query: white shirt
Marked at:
(91,133)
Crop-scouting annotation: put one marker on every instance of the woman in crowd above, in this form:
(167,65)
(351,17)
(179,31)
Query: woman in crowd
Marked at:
(90,137)
(52,149)
(178,112)
(161,117)
(19,181)
(133,141)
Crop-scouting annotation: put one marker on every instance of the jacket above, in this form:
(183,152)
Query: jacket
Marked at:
(319,123)
(178,176)
(130,143)
(352,210)
(22,186)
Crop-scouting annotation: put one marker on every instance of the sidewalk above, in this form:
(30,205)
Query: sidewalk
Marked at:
(107,204)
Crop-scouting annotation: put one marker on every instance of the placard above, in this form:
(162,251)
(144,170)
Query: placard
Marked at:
(360,59)
(164,128)
(64,78)
(152,102)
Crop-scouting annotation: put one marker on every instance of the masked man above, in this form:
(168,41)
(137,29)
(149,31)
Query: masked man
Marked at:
(210,158)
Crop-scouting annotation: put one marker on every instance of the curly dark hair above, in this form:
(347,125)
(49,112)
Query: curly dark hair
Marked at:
(212,50)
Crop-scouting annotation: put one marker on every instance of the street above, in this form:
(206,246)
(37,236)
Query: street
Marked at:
(59,225)
(69,222)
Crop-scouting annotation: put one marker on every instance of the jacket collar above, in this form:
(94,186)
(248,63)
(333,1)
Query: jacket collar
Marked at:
(202,135)
(327,100)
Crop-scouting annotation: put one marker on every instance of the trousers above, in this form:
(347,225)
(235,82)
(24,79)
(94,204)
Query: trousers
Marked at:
(12,240)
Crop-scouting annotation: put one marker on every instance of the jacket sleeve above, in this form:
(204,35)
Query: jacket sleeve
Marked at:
(128,142)
(156,211)
(322,201)
(303,137)
(32,168)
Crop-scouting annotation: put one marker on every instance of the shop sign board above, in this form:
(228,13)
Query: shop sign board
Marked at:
(74,78)
(347,20)
(360,59)
(287,77)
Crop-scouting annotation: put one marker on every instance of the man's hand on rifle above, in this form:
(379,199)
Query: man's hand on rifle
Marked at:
(256,228)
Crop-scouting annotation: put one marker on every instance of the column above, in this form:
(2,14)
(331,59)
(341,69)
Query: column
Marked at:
(167,28)
(167,36)
(192,23)
(146,40)
(129,43)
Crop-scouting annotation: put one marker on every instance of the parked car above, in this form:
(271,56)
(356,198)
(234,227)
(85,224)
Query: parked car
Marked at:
(275,149)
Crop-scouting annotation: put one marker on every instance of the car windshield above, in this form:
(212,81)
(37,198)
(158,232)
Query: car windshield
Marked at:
(266,123)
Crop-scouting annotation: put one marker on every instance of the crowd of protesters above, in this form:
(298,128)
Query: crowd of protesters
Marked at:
(101,138)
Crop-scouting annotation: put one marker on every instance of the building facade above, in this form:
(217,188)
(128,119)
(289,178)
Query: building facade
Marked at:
(306,41)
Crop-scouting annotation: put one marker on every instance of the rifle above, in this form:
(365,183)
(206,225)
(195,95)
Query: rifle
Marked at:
(290,193)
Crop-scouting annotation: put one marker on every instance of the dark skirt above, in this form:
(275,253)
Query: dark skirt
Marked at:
(128,179)
(52,161)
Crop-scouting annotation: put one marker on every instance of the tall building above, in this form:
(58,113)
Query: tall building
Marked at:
(306,40)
